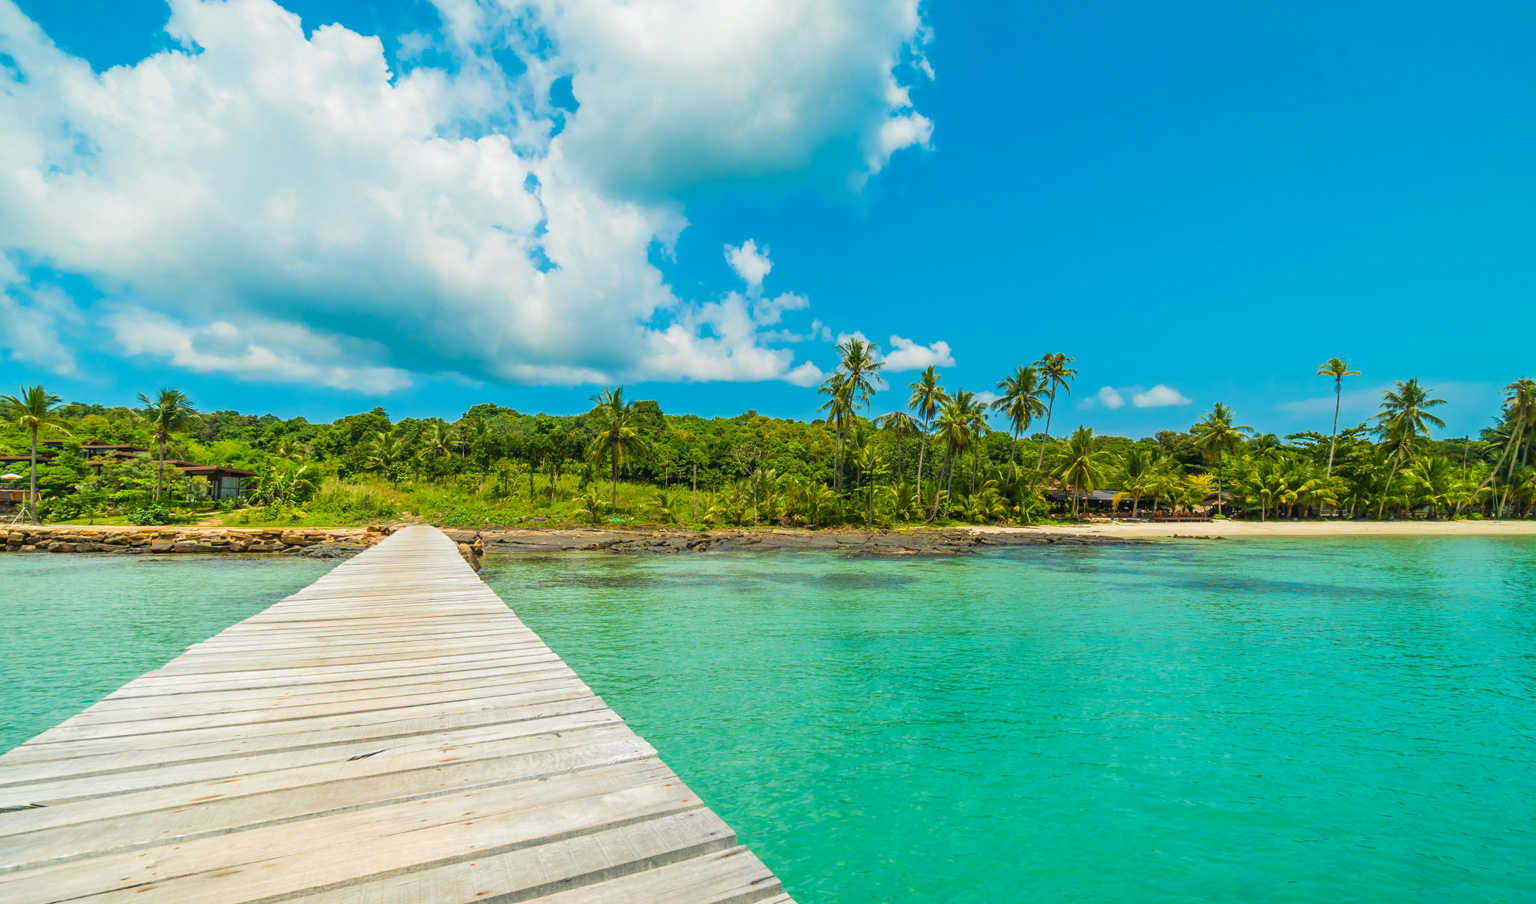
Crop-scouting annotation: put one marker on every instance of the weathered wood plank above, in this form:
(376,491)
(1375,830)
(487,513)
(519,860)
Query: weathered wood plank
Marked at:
(391,733)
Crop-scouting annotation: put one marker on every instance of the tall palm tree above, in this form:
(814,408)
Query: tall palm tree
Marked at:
(1058,373)
(35,409)
(169,411)
(900,422)
(926,399)
(1218,435)
(957,430)
(1020,404)
(839,407)
(1403,420)
(1135,475)
(384,452)
(618,435)
(1081,466)
(862,364)
(1337,369)
(1519,419)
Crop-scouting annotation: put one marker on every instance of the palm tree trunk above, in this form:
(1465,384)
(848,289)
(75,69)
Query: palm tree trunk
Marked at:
(31,503)
(1135,506)
(1387,491)
(921,450)
(975,460)
(160,473)
(1338,395)
(1040,461)
(936,493)
(613,499)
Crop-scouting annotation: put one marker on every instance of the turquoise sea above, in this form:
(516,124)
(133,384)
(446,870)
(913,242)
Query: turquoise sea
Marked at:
(1258,720)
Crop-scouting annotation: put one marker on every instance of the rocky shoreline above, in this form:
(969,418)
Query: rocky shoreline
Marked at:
(345,542)
(875,543)
(314,543)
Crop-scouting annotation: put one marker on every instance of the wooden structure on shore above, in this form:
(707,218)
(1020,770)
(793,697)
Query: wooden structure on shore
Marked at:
(392,733)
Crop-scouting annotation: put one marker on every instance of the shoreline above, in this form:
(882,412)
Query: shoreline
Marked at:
(910,542)
(1289,529)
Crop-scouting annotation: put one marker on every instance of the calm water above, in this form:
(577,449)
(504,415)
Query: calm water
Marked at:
(75,628)
(1318,721)
(1321,721)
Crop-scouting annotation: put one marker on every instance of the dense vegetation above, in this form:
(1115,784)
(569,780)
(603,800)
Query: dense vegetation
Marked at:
(938,459)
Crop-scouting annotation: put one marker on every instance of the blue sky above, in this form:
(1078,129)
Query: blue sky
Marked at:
(1210,198)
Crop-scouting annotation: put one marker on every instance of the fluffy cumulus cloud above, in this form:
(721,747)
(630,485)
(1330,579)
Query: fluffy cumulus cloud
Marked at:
(272,205)
(1159,396)
(905,354)
(1110,398)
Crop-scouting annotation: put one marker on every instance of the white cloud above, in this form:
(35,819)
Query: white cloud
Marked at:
(1110,398)
(674,92)
(986,397)
(258,180)
(285,354)
(1159,396)
(908,355)
(749,264)
(32,324)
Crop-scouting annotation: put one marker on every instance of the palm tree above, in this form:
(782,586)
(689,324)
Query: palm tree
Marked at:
(167,413)
(900,422)
(861,364)
(618,436)
(1218,435)
(1137,468)
(1337,369)
(860,370)
(1403,421)
(1519,418)
(839,407)
(926,399)
(384,452)
(957,428)
(871,465)
(1020,404)
(1081,465)
(1054,368)
(33,410)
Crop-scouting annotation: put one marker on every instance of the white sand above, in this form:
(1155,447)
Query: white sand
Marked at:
(1287,529)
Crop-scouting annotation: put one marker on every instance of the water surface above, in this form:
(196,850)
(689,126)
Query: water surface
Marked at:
(76,628)
(1260,720)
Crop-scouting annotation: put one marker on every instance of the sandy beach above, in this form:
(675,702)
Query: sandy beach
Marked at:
(1149,530)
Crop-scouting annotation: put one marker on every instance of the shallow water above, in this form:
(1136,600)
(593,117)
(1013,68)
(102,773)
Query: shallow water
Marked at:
(1261,720)
(75,628)
(1265,720)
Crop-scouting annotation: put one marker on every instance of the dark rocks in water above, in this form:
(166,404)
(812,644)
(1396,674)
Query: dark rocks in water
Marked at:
(859,543)
(326,550)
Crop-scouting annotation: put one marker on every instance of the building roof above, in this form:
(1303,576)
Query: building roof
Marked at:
(109,447)
(216,471)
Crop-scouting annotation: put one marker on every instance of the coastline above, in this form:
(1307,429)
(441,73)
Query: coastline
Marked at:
(1162,531)
(910,542)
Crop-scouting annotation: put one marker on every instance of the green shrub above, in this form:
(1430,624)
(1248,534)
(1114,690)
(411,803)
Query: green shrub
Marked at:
(151,515)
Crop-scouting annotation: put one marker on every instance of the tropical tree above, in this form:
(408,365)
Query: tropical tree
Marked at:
(385,451)
(170,411)
(34,410)
(925,401)
(618,436)
(1138,466)
(871,465)
(1020,404)
(1216,435)
(1519,424)
(957,431)
(1055,368)
(1402,422)
(1080,465)
(839,407)
(1337,369)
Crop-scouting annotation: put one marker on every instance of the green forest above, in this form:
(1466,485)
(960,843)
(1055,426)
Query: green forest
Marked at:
(941,457)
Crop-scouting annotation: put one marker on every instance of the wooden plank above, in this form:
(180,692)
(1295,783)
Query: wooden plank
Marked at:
(392,732)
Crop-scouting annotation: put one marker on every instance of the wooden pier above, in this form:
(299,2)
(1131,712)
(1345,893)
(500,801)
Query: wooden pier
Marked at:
(391,733)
